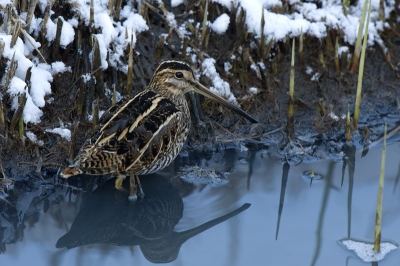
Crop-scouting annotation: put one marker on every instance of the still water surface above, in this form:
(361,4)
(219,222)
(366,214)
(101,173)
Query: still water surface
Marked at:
(177,214)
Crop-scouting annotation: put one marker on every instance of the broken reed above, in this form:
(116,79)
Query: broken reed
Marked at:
(204,29)
(361,72)
(337,67)
(378,220)
(347,127)
(301,60)
(56,50)
(357,50)
(96,67)
(129,86)
(290,120)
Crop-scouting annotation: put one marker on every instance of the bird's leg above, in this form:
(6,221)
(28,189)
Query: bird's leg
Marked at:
(118,183)
(140,187)
(132,195)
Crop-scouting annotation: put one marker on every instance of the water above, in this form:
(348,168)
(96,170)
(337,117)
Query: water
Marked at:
(154,229)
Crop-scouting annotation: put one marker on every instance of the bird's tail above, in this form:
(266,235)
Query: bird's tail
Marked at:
(68,172)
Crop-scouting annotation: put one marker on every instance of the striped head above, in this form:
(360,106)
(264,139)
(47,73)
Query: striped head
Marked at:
(175,78)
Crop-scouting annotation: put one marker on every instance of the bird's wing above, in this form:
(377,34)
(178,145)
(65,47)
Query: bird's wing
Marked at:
(125,131)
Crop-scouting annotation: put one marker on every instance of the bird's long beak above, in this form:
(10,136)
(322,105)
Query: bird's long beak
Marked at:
(206,92)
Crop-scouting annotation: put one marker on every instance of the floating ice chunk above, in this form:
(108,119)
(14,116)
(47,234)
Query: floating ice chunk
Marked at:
(220,24)
(63,132)
(365,250)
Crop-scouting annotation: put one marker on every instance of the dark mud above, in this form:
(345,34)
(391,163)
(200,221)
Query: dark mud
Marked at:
(218,127)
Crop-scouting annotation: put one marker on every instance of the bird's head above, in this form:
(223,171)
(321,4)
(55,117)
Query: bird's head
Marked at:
(177,78)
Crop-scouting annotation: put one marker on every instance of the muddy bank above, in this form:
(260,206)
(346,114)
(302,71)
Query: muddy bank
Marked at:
(70,104)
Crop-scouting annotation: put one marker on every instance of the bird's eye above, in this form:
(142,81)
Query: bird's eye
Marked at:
(179,75)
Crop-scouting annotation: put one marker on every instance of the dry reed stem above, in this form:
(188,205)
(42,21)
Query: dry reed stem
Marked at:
(378,219)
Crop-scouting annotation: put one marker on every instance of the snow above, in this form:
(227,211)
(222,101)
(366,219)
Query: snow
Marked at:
(17,87)
(310,19)
(40,85)
(175,3)
(365,250)
(59,67)
(305,16)
(32,137)
(220,25)
(63,132)
(220,86)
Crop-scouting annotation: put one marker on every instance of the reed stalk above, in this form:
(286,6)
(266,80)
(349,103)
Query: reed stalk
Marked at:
(15,34)
(22,6)
(290,120)
(117,10)
(2,44)
(95,112)
(18,113)
(262,48)
(204,29)
(91,20)
(72,144)
(45,19)
(21,118)
(56,51)
(129,86)
(337,67)
(111,4)
(347,127)
(378,220)
(29,15)
(82,96)
(360,73)
(184,47)
(321,59)
(160,47)
(346,7)
(357,50)
(97,65)
(301,58)
(114,97)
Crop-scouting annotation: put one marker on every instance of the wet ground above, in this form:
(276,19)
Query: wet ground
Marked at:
(250,209)
(238,194)
(336,91)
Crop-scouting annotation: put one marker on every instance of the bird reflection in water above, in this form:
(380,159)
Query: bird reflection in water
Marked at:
(108,217)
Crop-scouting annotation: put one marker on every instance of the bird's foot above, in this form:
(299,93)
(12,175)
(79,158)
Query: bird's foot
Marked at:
(118,183)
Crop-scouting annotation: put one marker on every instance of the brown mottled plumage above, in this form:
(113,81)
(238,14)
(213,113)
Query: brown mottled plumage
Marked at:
(144,134)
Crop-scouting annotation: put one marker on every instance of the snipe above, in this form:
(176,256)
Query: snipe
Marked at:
(144,134)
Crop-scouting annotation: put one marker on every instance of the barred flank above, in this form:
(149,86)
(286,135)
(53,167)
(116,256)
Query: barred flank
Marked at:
(68,172)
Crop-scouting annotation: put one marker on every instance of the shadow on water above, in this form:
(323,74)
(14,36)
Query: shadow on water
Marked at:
(324,203)
(107,216)
(285,174)
(350,160)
